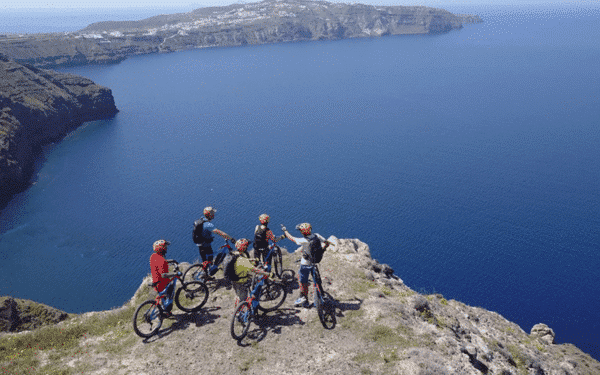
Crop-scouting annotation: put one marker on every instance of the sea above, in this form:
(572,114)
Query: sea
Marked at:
(468,161)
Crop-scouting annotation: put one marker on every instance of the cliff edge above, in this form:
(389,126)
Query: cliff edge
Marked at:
(383,327)
(38,107)
(269,21)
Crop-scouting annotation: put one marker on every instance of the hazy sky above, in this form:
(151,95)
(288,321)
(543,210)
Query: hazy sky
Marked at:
(5,4)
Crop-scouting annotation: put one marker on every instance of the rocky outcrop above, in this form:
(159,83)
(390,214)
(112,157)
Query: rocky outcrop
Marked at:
(18,315)
(383,327)
(269,21)
(38,107)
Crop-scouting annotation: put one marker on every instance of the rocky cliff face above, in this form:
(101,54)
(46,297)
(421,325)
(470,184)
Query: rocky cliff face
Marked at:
(269,21)
(38,107)
(383,327)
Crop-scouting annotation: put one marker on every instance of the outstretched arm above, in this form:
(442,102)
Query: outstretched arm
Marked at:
(222,234)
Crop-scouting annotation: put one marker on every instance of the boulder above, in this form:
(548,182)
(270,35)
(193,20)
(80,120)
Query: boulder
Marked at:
(544,333)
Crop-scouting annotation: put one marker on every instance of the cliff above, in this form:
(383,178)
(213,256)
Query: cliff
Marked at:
(383,327)
(38,107)
(269,21)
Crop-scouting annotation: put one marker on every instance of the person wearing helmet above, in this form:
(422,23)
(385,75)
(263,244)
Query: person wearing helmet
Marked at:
(202,234)
(243,268)
(158,267)
(262,235)
(305,263)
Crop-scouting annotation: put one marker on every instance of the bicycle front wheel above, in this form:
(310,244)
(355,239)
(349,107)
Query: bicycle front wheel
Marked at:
(241,320)
(147,319)
(193,273)
(278,261)
(191,296)
(272,296)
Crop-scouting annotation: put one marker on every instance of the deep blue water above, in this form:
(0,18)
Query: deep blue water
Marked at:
(468,161)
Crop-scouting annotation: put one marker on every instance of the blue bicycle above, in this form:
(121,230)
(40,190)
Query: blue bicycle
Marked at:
(323,303)
(246,311)
(190,297)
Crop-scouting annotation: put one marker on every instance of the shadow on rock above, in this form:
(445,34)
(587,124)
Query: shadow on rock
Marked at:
(271,322)
(184,320)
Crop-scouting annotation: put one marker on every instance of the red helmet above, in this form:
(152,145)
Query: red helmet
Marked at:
(264,219)
(209,212)
(304,228)
(241,245)
(160,246)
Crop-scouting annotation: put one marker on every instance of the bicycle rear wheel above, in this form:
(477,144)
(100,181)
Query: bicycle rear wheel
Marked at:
(277,261)
(147,319)
(327,315)
(272,296)
(241,320)
(191,296)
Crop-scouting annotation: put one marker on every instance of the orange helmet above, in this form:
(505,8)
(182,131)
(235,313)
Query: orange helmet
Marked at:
(304,228)
(241,245)
(264,219)
(160,246)
(209,212)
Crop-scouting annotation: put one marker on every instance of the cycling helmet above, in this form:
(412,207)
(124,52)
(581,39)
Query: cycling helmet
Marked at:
(264,219)
(160,246)
(304,228)
(241,245)
(209,213)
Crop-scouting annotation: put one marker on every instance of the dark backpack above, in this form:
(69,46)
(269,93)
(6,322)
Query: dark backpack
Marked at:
(260,238)
(198,232)
(229,267)
(316,250)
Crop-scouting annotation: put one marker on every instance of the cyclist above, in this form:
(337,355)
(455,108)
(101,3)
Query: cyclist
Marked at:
(203,234)
(158,267)
(262,235)
(308,243)
(242,268)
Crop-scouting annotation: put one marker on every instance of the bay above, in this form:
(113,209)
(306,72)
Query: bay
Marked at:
(468,161)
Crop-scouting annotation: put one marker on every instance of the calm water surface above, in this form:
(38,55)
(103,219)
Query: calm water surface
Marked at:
(468,161)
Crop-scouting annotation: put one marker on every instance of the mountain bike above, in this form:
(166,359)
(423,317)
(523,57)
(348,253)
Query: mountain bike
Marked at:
(273,293)
(190,297)
(324,304)
(202,271)
(247,310)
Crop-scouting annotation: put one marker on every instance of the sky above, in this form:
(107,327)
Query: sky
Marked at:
(194,4)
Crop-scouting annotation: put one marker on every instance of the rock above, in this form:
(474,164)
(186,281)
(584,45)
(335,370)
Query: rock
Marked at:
(270,21)
(19,315)
(38,107)
(9,317)
(421,304)
(544,333)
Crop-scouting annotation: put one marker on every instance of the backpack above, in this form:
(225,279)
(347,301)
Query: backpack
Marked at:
(316,250)
(229,267)
(198,232)
(260,238)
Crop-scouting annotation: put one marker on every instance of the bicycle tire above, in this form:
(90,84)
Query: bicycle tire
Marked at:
(327,315)
(191,296)
(147,319)
(272,296)
(278,261)
(240,322)
(193,273)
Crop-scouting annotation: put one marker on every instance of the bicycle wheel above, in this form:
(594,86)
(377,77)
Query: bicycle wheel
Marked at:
(147,319)
(277,261)
(272,296)
(241,320)
(193,273)
(327,314)
(191,296)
